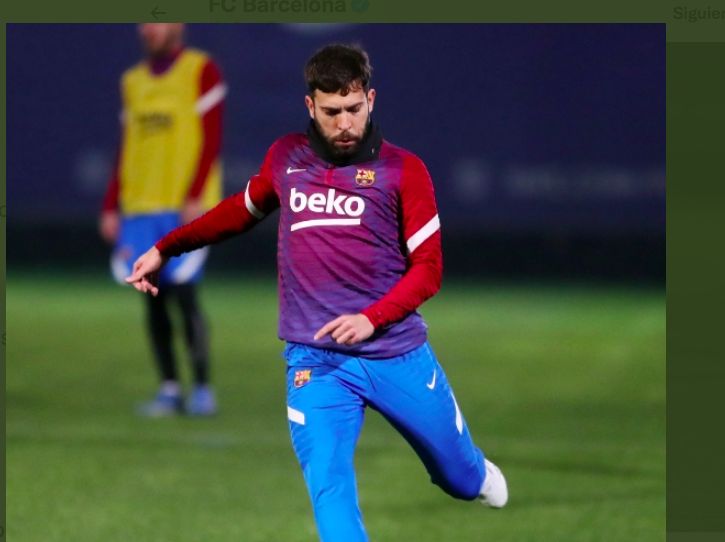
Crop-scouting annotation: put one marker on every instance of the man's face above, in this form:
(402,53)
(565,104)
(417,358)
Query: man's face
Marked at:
(160,38)
(341,119)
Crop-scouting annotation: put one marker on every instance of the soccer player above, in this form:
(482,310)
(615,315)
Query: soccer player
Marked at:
(167,173)
(359,250)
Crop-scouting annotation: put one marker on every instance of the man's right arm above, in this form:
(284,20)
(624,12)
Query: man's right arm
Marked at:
(109,220)
(109,223)
(234,215)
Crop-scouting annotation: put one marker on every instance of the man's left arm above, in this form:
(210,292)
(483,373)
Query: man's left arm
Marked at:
(421,232)
(210,107)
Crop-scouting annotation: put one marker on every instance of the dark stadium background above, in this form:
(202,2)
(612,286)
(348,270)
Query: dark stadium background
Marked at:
(546,143)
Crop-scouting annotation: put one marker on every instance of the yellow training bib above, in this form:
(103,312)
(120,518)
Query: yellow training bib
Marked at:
(162,137)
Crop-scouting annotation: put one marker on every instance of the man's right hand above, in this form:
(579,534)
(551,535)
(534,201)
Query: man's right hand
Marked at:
(145,273)
(109,226)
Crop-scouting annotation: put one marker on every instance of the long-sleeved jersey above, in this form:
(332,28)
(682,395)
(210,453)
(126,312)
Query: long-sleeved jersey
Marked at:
(357,237)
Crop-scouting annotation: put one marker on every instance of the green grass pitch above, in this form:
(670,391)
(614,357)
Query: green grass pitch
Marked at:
(563,387)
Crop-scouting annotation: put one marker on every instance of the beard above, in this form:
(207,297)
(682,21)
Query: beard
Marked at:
(335,144)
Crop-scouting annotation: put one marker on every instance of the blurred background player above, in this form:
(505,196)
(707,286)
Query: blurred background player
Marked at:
(167,173)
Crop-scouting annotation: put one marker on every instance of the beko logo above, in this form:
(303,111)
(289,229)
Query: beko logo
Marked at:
(330,204)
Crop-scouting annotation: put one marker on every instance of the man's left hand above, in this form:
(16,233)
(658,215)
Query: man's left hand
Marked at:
(347,329)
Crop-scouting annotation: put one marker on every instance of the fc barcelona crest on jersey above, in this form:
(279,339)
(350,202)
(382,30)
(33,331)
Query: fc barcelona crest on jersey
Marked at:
(302,377)
(365,177)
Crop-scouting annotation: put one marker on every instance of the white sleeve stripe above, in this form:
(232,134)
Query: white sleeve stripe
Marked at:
(211,98)
(250,205)
(417,239)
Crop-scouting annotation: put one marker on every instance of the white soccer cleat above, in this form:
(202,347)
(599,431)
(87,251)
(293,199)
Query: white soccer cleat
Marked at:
(495,492)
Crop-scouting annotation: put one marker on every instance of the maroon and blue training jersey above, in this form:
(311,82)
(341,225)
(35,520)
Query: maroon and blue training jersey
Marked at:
(359,235)
(345,236)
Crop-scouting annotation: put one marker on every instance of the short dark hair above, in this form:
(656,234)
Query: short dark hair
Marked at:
(338,68)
